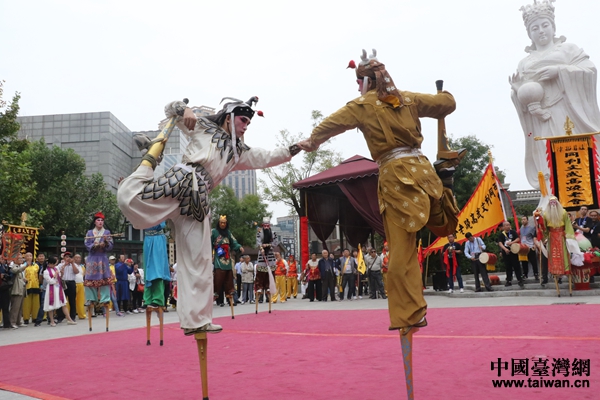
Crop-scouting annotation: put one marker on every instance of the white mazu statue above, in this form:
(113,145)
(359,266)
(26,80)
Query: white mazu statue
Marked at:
(555,80)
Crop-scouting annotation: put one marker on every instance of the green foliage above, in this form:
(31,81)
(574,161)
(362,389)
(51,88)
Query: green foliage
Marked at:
(48,183)
(8,118)
(243,215)
(17,186)
(469,172)
(281,178)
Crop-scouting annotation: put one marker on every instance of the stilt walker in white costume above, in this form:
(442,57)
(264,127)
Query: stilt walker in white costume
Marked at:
(215,148)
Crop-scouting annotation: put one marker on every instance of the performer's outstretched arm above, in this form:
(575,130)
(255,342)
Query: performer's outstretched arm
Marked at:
(257,158)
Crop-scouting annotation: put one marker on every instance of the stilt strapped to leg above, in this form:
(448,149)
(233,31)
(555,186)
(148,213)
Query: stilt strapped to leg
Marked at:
(159,313)
(202,343)
(230,297)
(570,286)
(556,283)
(406,341)
(256,301)
(107,315)
(268,294)
(90,310)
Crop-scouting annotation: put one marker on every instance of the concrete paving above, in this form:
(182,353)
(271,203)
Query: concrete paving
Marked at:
(513,296)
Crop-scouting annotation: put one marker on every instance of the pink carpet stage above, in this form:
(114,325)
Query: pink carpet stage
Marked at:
(315,355)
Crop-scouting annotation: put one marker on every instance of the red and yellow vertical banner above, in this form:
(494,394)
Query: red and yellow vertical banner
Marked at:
(30,238)
(574,185)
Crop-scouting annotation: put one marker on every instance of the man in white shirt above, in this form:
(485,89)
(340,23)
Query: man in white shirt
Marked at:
(474,246)
(68,270)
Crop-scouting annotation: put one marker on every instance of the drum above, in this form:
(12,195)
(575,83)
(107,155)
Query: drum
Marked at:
(488,258)
(519,248)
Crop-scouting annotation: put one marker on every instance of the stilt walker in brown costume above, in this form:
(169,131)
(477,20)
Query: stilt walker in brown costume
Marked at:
(412,193)
(216,147)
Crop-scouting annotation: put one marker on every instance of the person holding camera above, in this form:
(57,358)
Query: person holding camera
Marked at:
(55,296)
(6,284)
(450,257)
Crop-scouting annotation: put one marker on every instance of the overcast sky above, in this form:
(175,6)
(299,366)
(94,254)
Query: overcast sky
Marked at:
(132,57)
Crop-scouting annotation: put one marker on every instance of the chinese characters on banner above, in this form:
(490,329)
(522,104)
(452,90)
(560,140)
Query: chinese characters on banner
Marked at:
(542,367)
(573,181)
(481,215)
(30,238)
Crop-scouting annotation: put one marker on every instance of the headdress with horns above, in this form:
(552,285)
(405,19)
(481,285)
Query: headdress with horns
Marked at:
(222,218)
(371,68)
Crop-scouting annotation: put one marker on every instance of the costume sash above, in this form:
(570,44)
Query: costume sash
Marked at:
(51,272)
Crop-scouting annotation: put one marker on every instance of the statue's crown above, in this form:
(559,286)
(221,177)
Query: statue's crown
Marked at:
(542,8)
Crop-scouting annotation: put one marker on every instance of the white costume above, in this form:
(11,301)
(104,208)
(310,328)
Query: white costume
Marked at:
(182,197)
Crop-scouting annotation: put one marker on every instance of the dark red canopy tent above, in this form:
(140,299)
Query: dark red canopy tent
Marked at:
(346,193)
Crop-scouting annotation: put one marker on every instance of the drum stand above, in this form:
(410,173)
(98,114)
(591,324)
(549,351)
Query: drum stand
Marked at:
(230,297)
(202,343)
(406,341)
(570,286)
(159,313)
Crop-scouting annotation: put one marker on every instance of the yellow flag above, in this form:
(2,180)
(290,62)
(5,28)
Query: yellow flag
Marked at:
(362,267)
(482,213)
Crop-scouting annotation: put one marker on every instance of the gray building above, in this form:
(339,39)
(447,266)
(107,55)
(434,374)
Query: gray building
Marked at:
(107,145)
(100,138)
(286,230)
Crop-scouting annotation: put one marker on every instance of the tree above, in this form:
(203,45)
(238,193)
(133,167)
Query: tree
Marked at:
(281,178)
(66,199)
(48,183)
(243,215)
(8,119)
(470,170)
(16,182)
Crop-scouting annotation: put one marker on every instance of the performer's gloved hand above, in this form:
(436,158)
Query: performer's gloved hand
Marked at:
(294,149)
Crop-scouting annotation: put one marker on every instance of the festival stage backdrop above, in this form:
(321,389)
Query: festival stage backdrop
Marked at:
(481,215)
(573,168)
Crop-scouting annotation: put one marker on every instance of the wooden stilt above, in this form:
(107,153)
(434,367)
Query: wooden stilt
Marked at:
(107,315)
(230,297)
(570,286)
(406,341)
(202,343)
(256,301)
(148,324)
(269,300)
(556,283)
(90,310)
(160,321)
